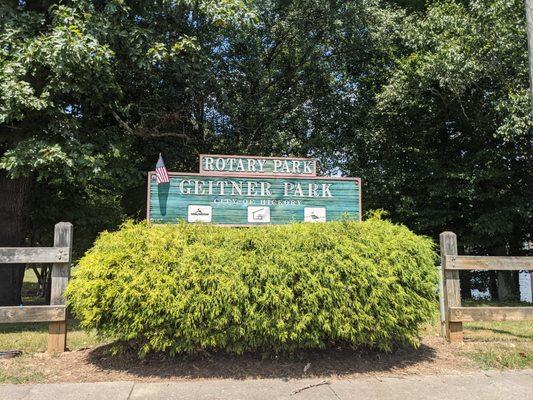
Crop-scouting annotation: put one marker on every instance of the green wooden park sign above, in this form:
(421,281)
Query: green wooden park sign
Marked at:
(249,190)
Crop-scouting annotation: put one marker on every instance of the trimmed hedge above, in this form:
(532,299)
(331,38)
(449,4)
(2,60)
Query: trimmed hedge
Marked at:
(182,288)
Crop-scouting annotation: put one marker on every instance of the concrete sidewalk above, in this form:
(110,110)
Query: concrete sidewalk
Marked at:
(481,385)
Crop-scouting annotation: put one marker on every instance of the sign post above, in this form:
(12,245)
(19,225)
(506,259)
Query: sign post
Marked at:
(247,190)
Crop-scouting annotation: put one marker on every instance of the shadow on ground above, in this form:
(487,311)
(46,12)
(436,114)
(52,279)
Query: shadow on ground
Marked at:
(323,363)
(500,332)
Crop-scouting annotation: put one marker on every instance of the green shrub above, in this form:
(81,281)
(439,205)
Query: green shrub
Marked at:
(181,288)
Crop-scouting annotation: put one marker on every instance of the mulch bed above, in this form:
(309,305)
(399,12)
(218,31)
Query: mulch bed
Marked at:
(92,365)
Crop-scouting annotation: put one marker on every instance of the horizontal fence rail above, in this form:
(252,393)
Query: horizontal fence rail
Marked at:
(55,313)
(34,255)
(489,263)
(473,314)
(452,313)
(32,314)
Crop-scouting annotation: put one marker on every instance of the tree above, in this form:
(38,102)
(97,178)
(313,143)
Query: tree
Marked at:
(287,85)
(83,86)
(428,105)
(447,143)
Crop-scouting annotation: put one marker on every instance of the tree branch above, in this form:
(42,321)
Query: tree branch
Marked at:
(147,133)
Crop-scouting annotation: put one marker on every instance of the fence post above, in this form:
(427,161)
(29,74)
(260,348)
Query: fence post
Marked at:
(442,307)
(452,288)
(57,338)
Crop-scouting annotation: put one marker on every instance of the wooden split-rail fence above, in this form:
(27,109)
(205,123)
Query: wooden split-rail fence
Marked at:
(453,313)
(55,313)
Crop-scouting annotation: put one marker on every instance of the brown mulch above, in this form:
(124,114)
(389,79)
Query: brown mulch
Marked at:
(91,365)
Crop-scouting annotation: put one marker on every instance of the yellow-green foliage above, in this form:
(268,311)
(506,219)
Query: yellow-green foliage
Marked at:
(180,288)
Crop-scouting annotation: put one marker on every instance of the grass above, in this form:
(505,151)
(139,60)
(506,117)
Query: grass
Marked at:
(503,356)
(19,375)
(30,289)
(500,345)
(32,338)
(490,303)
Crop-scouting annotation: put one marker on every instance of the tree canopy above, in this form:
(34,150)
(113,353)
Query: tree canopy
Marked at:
(427,104)
(447,143)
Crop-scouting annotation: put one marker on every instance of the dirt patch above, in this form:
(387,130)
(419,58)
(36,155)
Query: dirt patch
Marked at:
(91,365)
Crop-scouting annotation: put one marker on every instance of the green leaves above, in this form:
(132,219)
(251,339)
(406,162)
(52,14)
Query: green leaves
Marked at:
(446,139)
(45,69)
(90,91)
(430,108)
(181,288)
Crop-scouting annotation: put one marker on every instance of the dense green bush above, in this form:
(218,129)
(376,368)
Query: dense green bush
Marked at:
(181,288)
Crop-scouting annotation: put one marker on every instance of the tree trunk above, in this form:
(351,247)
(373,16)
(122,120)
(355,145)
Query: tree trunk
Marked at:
(507,281)
(465,278)
(493,285)
(13,201)
(508,286)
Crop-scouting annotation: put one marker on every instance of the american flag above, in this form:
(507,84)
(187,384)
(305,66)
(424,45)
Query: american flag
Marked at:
(161,172)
